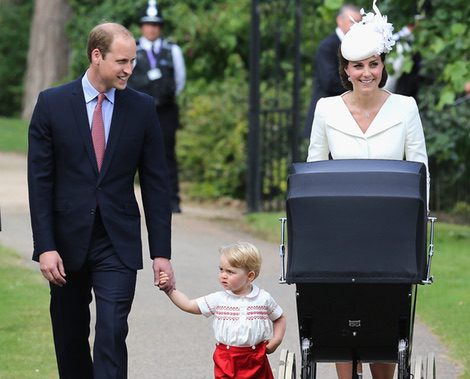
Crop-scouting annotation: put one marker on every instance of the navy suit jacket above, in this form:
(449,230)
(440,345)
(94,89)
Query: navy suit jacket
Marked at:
(327,80)
(66,188)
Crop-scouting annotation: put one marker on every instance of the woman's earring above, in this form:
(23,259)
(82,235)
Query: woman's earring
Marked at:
(349,78)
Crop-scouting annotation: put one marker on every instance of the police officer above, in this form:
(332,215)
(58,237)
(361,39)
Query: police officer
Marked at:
(160,72)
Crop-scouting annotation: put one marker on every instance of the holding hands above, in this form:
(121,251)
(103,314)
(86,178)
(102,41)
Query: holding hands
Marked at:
(162,266)
(163,279)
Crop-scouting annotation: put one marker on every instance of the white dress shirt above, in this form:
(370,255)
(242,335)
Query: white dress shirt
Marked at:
(339,33)
(91,98)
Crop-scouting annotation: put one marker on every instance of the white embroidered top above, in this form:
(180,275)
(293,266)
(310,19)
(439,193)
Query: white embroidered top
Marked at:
(241,320)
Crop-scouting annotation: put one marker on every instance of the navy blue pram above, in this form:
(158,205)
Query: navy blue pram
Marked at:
(357,248)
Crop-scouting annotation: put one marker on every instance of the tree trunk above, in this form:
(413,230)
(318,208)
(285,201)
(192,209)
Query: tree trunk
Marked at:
(48,54)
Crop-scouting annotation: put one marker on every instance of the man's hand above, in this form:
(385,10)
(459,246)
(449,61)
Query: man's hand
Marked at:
(163,265)
(52,267)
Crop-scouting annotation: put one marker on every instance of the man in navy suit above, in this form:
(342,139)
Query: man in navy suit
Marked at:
(84,214)
(327,81)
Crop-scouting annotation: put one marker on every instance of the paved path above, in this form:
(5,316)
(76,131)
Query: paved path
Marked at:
(163,341)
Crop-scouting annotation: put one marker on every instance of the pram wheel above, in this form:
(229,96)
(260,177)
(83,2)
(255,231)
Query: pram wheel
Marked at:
(282,364)
(418,368)
(287,365)
(430,366)
(424,367)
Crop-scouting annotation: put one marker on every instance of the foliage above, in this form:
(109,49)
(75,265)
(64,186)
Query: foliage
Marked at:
(442,40)
(211,145)
(26,348)
(14,23)
(215,38)
(448,143)
(87,14)
(214,41)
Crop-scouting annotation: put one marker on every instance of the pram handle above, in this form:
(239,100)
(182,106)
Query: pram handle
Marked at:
(429,278)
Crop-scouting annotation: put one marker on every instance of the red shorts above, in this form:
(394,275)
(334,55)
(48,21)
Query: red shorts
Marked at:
(241,362)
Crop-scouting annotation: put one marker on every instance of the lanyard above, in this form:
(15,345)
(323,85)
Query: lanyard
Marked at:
(152,58)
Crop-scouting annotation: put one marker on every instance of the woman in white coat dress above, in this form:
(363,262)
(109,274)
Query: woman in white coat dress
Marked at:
(367,121)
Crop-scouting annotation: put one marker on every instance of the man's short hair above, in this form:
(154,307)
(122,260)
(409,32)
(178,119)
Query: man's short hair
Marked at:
(101,37)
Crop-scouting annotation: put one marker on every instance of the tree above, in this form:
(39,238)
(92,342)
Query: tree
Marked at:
(15,19)
(48,55)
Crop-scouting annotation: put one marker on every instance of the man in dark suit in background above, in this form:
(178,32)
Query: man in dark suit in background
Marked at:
(87,139)
(327,81)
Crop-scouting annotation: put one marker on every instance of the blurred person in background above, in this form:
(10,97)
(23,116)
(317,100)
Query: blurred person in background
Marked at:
(160,72)
(327,81)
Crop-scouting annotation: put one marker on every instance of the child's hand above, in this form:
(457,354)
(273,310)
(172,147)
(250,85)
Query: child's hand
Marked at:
(163,278)
(279,329)
(271,347)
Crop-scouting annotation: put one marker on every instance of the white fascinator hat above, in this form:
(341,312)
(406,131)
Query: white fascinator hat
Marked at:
(369,37)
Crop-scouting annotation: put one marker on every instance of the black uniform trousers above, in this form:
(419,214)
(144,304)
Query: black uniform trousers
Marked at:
(168,115)
(113,285)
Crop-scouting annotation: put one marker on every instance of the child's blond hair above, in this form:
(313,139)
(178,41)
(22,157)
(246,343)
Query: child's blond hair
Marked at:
(243,255)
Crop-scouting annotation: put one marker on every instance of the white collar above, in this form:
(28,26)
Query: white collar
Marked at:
(339,33)
(91,93)
(254,292)
(148,45)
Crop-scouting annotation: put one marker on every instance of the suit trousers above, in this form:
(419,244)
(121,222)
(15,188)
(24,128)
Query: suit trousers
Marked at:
(113,285)
(168,115)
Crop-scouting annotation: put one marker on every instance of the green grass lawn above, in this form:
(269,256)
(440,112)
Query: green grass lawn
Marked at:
(444,306)
(26,346)
(13,135)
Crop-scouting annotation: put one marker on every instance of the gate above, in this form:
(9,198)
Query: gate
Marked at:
(273,138)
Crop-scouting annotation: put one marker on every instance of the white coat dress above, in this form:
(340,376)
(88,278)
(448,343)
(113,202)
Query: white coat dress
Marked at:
(395,133)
